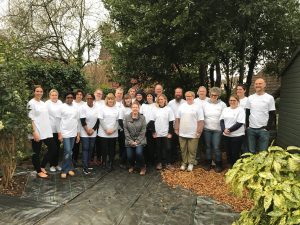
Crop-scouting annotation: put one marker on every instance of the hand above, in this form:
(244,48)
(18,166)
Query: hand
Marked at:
(109,131)
(36,136)
(154,135)
(176,131)
(226,131)
(77,138)
(198,135)
(90,131)
(169,136)
(60,138)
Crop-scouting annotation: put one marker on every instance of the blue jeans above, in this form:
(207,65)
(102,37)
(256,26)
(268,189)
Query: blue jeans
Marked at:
(139,157)
(88,144)
(212,140)
(257,137)
(68,146)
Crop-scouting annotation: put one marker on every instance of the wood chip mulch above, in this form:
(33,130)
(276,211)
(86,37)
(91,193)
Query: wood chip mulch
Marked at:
(206,183)
(16,186)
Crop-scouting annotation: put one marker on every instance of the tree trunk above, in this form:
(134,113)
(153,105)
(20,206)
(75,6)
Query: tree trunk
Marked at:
(211,75)
(251,66)
(202,74)
(218,72)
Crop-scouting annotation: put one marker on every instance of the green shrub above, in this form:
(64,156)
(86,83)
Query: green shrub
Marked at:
(272,180)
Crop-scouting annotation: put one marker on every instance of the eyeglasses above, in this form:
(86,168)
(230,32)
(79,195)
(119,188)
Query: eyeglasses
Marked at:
(189,96)
(214,95)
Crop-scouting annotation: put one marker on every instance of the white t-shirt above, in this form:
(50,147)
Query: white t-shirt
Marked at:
(110,117)
(91,115)
(233,116)
(124,111)
(53,109)
(174,105)
(200,101)
(243,102)
(147,111)
(119,104)
(38,113)
(212,113)
(259,106)
(189,116)
(69,120)
(162,117)
(78,104)
(99,103)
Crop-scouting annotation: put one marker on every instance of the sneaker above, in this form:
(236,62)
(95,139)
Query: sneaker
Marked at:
(71,173)
(130,170)
(58,168)
(86,172)
(190,167)
(143,171)
(63,175)
(52,169)
(90,168)
(183,167)
(159,166)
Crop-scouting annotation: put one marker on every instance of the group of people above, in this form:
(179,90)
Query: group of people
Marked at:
(148,128)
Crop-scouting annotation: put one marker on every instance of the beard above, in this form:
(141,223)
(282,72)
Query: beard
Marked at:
(178,98)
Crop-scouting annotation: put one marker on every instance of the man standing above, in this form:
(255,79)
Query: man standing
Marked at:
(260,116)
(158,90)
(119,97)
(174,105)
(132,93)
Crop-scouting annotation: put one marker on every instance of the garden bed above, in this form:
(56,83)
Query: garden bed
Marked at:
(206,183)
(16,186)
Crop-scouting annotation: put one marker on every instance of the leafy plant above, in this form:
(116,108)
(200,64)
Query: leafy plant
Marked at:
(272,180)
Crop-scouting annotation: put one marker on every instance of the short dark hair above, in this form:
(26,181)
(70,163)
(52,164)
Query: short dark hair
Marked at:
(92,95)
(79,91)
(69,93)
(37,86)
(242,86)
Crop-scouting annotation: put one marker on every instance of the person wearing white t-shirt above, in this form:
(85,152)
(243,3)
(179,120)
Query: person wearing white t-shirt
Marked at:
(68,132)
(212,130)
(119,97)
(232,121)
(202,92)
(78,102)
(123,111)
(260,116)
(108,130)
(147,111)
(202,99)
(158,90)
(174,105)
(99,98)
(88,130)
(240,92)
(132,94)
(53,105)
(41,132)
(189,126)
(163,118)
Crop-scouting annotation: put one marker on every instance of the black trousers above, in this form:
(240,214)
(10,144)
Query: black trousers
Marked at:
(163,150)
(108,147)
(56,149)
(175,149)
(149,151)
(122,149)
(75,151)
(36,147)
(97,149)
(233,148)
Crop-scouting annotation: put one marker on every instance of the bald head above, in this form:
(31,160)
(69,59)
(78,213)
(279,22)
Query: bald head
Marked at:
(158,89)
(260,86)
(202,92)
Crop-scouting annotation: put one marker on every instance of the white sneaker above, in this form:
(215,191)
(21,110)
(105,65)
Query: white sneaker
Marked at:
(190,167)
(183,167)
(52,169)
(58,168)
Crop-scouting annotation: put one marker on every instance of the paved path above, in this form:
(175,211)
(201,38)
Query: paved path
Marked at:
(110,198)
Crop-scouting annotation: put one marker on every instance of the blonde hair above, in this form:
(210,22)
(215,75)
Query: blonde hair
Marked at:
(165,97)
(190,92)
(110,96)
(120,89)
(53,90)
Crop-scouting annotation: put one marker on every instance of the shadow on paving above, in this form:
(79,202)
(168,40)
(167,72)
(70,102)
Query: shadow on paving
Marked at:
(114,198)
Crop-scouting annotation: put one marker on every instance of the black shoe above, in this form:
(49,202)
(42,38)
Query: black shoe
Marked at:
(219,167)
(86,172)
(207,165)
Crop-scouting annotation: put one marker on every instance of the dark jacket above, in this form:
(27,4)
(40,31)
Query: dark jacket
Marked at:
(135,130)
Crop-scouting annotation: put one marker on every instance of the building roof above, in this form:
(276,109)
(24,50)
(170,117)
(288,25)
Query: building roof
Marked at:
(296,53)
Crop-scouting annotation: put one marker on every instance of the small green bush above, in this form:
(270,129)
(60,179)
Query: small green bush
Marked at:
(272,179)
